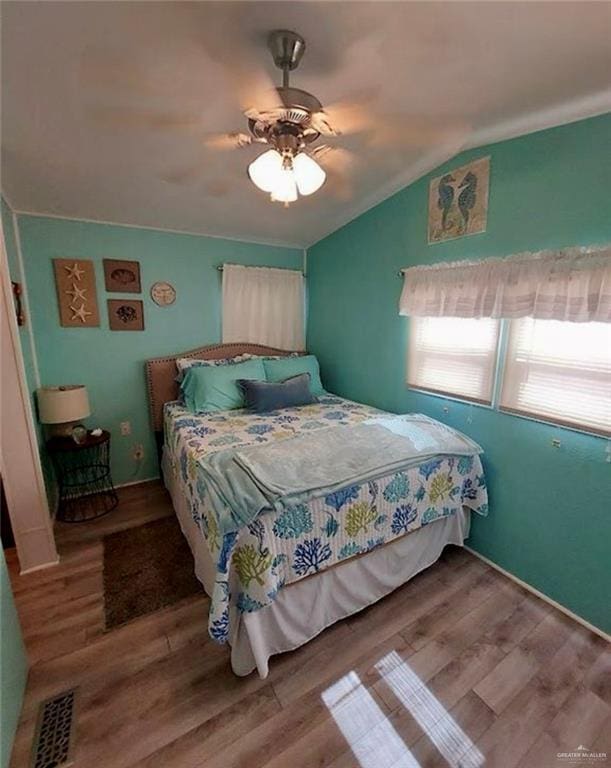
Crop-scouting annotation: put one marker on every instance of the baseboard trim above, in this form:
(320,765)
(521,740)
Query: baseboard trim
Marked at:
(138,482)
(543,596)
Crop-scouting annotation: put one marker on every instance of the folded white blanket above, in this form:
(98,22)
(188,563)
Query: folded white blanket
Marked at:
(244,482)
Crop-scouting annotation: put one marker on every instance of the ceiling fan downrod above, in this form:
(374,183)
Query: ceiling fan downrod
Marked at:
(287,49)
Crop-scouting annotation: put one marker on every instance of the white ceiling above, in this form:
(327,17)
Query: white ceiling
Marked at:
(87,89)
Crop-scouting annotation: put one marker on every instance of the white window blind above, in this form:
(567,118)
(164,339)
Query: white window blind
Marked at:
(559,371)
(455,356)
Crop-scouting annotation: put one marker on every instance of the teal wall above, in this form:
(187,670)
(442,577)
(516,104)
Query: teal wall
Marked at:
(111,363)
(13,666)
(549,522)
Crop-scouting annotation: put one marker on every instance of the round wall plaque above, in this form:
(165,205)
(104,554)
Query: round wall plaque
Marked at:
(163,294)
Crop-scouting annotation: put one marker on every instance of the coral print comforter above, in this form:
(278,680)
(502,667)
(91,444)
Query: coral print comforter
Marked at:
(280,547)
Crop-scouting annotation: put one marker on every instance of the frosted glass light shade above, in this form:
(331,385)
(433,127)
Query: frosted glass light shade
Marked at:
(309,176)
(61,405)
(285,190)
(265,170)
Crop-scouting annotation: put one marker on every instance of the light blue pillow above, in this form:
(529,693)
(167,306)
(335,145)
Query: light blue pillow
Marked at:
(287,367)
(214,387)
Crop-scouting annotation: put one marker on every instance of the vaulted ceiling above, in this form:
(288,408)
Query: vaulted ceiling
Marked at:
(109,108)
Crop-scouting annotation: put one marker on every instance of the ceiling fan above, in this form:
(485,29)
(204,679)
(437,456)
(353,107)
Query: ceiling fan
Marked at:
(288,120)
(289,168)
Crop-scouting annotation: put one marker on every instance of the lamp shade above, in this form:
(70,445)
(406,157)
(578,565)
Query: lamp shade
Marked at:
(285,190)
(309,176)
(265,171)
(60,405)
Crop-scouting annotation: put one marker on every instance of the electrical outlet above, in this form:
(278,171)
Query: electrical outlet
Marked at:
(138,452)
(126,428)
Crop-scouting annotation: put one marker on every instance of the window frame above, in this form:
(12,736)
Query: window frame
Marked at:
(541,418)
(458,396)
(495,404)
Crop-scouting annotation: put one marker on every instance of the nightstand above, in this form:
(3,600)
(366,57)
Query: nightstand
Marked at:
(83,475)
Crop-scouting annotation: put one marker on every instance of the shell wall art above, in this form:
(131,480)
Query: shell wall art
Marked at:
(122,276)
(125,315)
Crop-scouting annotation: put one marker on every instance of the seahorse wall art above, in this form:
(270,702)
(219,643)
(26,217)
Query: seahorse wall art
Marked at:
(458,201)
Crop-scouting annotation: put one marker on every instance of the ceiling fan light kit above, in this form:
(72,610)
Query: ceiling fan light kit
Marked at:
(283,175)
(285,188)
(264,171)
(309,176)
(287,170)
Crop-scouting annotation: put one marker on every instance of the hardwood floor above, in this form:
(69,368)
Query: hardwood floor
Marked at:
(459,667)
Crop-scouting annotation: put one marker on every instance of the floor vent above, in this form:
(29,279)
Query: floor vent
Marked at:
(53,741)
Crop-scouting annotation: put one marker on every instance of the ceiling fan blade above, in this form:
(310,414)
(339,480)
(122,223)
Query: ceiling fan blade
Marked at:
(129,117)
(340,187)
(417,132)
(101,69)
(338,163)
(226,141)
(244,59)
(334,159)
(342,118)
(180,176)
(258,96)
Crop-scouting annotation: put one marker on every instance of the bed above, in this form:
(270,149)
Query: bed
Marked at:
(293,571)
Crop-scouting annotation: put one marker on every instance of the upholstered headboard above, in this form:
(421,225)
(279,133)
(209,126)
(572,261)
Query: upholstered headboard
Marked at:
(161,372)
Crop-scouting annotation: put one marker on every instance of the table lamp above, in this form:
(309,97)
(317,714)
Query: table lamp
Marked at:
(63,407)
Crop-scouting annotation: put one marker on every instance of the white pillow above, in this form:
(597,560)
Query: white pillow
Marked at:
(184,363)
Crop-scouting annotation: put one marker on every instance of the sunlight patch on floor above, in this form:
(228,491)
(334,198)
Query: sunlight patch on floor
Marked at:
(369,733)
(440,727)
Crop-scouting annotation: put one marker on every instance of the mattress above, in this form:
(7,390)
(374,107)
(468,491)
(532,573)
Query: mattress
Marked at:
(253,565)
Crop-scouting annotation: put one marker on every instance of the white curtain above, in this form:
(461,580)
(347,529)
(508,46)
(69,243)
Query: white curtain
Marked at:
(263,305)
(570,284)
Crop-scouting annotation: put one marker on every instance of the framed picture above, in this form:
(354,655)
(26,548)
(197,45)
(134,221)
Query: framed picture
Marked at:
(76,294)
(125,315)
(458,202)
(122,276)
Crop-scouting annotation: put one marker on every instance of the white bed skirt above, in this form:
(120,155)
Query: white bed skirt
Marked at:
(304,609)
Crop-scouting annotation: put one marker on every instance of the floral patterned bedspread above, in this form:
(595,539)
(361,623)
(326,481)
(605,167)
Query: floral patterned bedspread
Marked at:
(279,548)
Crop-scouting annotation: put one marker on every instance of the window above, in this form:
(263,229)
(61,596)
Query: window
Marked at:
(453,356)
(559,371)
(263,305)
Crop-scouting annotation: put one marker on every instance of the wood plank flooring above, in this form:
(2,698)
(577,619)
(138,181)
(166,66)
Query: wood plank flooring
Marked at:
(459,667)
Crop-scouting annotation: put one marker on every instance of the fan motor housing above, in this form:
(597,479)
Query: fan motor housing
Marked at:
(296,112)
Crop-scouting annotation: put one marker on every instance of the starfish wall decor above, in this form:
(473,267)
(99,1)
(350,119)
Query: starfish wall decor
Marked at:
(80,313)
(76,293)
(74,271)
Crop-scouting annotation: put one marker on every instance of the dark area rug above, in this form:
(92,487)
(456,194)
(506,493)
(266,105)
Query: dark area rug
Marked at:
(146,569)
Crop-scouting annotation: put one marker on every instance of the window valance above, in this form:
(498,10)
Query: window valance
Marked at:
(569,284)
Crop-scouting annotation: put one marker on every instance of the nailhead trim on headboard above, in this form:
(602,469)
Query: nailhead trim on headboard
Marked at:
(161,372)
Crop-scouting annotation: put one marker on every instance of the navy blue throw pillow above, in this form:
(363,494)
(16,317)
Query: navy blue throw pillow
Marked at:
(263,396)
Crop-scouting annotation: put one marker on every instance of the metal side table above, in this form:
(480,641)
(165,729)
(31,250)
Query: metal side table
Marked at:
(83,475)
